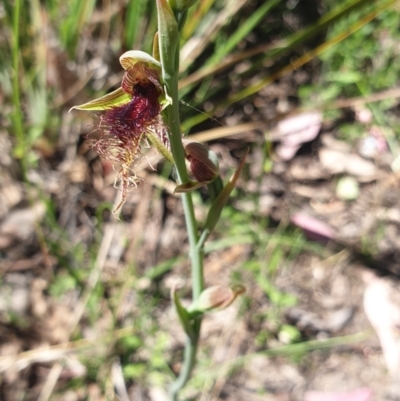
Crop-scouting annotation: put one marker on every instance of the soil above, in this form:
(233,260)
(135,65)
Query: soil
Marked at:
(329,286)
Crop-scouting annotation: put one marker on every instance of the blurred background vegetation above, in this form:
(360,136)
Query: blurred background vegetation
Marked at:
(85,310)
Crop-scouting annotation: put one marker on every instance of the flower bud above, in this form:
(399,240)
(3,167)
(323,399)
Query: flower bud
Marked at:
(216,297)
(203,163)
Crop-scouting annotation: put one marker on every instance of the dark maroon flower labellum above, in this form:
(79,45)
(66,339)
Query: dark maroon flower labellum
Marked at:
(123,127)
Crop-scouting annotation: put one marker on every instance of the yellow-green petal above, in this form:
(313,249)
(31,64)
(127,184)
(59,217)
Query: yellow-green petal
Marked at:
(132,57)
(113,99)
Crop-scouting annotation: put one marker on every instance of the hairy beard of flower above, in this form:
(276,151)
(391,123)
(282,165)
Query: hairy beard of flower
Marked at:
(123,128)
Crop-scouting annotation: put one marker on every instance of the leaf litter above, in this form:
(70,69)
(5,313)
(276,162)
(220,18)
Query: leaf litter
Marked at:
(330,291)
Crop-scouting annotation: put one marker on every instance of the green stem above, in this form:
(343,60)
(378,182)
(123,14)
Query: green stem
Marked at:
(189,361)
(169,25)
(196,252)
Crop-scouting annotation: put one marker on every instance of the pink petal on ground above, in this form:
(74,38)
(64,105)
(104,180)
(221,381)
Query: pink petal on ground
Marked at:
(294,131)
(287,151)
(364,115)
(382,307)
(313,228)
(360,394)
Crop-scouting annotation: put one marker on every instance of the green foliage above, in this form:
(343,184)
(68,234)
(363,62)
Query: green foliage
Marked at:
(134,371)
(62,283)
(350,132)
(277,298)
(93,365)
(289,334)
(375,64)
(131,343)
(75,16)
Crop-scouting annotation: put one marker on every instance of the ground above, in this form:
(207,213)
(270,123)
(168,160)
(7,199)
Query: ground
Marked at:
(328,283)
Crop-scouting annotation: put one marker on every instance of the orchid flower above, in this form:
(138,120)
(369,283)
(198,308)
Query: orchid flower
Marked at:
(130,115)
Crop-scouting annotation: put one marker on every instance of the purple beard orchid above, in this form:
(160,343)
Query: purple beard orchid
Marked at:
(129,115)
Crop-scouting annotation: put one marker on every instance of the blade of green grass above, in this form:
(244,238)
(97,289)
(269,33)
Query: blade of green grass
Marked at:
(135,15)
(296,348)
(195,16)
(311,54)
(151,27)
(71,27)
(292,66)
(211,27)
(245,28)
(276,49)
(20,149)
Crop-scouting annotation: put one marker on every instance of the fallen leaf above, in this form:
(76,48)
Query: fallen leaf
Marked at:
(337,161)
(20,224)
(361,394)
(382,307)
(313,228)
(292,132)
